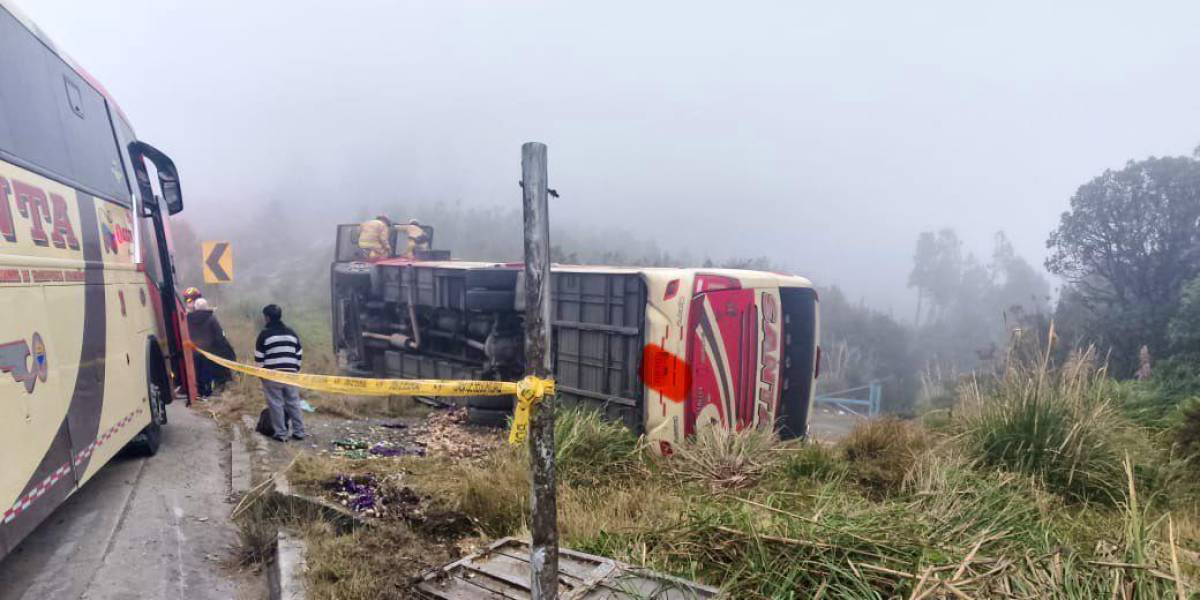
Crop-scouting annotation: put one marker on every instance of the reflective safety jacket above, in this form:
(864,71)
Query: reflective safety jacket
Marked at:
(415,239)
(373,239)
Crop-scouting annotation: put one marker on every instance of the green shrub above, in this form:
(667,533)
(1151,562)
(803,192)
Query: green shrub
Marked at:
(1058,424)
(812,461)
(1187,432)
(1156,401)
(589,449)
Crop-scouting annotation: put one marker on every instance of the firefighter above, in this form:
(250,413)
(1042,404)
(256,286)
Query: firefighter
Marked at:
(190,296)
(416,238)
(373,238)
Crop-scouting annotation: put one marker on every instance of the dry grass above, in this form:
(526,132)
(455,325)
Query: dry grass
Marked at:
(882,452)
(494,492)
(369,564)
(798,523)
(723,459)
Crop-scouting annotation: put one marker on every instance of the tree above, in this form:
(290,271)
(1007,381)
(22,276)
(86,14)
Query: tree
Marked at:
(1126,247)
(972,305)
(937,270)
(1183,330)
(860,345)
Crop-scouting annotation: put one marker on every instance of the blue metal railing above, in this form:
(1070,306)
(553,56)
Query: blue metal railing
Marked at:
(867,408)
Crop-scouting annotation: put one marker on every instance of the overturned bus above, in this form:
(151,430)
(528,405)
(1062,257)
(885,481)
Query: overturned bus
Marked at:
(667,351)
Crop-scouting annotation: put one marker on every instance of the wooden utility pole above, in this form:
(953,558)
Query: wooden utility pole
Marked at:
(544,506)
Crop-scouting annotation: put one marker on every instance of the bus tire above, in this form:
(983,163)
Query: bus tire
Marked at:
(488,418)
(148,440)
(504,403)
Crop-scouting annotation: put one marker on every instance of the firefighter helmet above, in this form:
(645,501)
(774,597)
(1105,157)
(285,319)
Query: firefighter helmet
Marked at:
(191,294)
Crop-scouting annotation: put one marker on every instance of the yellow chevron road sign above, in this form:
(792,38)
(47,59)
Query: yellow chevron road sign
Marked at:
(218,262)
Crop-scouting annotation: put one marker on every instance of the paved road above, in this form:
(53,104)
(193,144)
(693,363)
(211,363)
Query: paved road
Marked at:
(141,528)
(830,426)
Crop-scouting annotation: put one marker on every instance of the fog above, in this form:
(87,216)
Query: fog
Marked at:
(824,137)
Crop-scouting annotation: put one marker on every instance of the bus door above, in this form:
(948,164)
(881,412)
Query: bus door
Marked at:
(159,258)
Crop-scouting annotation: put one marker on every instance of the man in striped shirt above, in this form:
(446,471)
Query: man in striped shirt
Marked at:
(278,348)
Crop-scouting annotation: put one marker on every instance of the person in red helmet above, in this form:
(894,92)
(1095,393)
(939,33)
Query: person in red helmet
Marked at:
(208,335)
(190,296)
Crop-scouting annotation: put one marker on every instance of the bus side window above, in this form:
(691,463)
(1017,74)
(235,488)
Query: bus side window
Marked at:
(54,120)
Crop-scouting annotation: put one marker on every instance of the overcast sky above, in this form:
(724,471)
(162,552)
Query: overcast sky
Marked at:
(824,135)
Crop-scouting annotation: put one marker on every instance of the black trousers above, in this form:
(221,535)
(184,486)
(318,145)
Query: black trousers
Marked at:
(204,375)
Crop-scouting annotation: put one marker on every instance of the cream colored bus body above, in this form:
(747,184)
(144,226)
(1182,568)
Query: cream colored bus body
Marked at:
(77,318)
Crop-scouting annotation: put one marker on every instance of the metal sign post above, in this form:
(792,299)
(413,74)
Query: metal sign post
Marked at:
(543,558)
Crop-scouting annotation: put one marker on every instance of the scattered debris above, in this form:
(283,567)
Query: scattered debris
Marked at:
(388,449)
(359,449)
(447,433)
(374,497)
(358,493)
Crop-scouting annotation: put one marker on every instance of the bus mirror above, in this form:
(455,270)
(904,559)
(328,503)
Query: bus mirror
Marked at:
(171,195)
(168,176)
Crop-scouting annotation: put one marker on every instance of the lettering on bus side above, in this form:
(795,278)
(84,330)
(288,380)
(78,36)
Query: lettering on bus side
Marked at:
(8,230)
(769,374)
(41,210)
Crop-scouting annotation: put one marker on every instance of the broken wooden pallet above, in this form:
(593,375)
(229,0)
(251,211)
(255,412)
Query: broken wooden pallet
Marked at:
(502,572)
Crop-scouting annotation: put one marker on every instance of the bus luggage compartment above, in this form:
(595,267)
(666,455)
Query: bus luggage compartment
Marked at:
(598,332)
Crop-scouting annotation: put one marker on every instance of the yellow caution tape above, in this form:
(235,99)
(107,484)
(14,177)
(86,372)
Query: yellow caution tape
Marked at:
(529,391)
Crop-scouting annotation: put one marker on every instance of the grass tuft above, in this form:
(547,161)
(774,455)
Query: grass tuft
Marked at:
(1057,424)
(881,453)
(723,459)
(812,461)
(589,449)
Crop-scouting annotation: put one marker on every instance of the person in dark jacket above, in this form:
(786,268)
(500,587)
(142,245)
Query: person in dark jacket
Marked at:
(278,348)
(207,334)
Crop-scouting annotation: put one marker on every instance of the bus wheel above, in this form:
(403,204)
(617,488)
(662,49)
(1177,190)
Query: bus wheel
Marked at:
(146,442)
(488,418)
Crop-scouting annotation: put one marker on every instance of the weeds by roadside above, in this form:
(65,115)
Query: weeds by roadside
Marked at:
(894,510)
(1060,425)
(882,452)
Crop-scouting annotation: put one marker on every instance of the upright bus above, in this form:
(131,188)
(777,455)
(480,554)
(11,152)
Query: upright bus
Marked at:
(91,343)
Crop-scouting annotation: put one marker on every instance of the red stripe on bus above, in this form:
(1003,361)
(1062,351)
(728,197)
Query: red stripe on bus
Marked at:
(23,503)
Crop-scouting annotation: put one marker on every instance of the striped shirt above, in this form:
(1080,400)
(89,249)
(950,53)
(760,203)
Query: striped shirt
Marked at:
(278,348)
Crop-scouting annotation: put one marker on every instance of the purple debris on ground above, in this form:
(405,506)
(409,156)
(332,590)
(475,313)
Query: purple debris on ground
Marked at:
(357,493)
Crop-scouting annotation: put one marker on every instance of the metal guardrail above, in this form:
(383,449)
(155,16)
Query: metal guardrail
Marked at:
(867,408)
